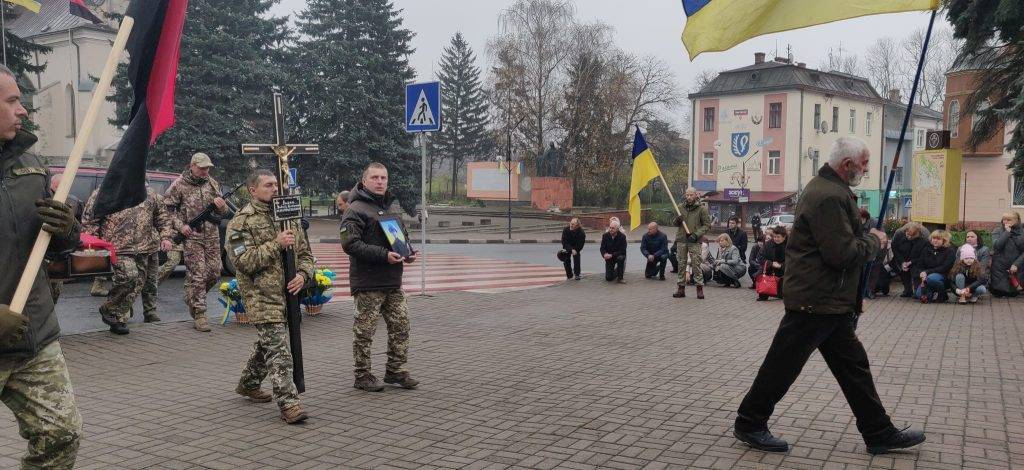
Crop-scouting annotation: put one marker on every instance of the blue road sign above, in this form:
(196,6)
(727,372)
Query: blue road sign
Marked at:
(293,177)
(423,107)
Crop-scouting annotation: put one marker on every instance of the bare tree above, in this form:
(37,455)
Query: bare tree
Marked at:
(843,61)
(885,66)
(703,79)
(942,50)
(536,35)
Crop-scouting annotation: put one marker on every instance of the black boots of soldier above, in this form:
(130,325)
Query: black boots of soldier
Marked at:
(762,440)
(680,292)
(116,327)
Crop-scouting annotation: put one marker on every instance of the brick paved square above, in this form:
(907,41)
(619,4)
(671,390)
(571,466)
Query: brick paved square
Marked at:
(579,375)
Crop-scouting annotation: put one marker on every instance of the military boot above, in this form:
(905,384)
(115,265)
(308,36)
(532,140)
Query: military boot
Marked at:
(202,323)
(99,287)
(368,383)
(680,292)
(107,317)
(256,395)
(150,317)
(700,292)
(402,379)
(294,415)
(119,328)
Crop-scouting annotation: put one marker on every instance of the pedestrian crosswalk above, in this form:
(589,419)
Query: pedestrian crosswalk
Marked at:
(447,272)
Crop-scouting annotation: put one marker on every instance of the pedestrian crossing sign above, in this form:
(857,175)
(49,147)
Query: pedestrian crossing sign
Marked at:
(423,107)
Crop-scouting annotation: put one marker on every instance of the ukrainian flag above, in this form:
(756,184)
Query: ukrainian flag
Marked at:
(645,169)
(717,25)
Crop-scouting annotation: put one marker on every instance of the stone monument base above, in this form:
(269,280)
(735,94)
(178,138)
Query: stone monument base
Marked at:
(551,192)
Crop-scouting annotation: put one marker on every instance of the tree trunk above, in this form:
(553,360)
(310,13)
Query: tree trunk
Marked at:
(455,177)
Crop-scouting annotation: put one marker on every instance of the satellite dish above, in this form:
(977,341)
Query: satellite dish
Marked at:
(824,127)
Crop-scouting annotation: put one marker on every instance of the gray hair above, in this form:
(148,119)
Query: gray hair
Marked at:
(4,70)
(614,222)
(254,177)
(345,195)
(845,148)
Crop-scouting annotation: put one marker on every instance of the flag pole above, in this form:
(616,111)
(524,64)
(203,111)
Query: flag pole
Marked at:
(3,29)
(35,259)
(899,144)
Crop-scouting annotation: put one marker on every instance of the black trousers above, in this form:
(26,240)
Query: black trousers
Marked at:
(656,267)
(907,277)
(572,265)
(614,268)
(675,261)
(833,336)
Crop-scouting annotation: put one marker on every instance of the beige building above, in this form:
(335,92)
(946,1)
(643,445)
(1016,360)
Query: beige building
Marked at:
(62,91)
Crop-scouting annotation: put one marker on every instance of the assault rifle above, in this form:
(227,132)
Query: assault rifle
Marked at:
(209,214)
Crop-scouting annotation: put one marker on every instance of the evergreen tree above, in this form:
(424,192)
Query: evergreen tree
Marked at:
(231,58)
(464,135)
(20,59)
(993,34)
(353,67)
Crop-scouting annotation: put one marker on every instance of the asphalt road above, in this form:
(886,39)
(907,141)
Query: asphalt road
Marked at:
(77,310)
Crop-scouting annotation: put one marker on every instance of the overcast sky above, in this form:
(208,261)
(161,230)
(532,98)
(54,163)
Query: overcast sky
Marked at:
(643,27)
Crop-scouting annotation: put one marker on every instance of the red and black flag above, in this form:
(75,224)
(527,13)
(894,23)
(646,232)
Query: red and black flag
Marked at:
(79,9)
(153,47)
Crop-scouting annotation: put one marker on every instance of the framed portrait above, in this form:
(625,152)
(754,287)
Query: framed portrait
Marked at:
(392,227)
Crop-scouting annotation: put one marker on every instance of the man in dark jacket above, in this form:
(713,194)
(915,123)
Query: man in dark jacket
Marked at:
(613,250)
(375,279)
(34,381)
(907,245)
(826,253)
(738,237)
(654,247)
(573,240)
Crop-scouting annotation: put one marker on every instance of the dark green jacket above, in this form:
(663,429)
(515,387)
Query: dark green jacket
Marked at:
(697,219)
(23,180)
(367,246)
(827,249)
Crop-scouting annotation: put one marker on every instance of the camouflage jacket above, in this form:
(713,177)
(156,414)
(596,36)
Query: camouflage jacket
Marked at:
(136,230)
(251,245)
(187,197)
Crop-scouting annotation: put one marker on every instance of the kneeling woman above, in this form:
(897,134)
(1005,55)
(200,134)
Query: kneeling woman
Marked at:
(775,258)
(969,276)
(729,267)
(934,264)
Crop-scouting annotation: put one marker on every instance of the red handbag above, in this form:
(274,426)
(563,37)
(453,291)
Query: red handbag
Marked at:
(1015,282)
(767,284)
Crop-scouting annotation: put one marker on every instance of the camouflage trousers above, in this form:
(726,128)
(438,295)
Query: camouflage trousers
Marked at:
(389,304)
(202,259)
(173,259)
(38,392)
(100,286)
(688,254)
(133,275)
(271,357)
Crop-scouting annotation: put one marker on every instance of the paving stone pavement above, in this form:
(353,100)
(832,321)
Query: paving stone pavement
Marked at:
(579,375)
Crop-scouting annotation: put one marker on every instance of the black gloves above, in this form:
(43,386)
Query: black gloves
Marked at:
(13,326)
(57,217)
(692,238)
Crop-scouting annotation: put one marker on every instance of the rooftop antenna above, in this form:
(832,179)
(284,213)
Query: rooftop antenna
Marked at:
(789,52)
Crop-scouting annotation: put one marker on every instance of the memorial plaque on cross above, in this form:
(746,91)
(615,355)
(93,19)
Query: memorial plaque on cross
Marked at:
(284,151)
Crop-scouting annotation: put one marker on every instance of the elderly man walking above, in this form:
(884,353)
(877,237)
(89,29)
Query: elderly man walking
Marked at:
(826,253)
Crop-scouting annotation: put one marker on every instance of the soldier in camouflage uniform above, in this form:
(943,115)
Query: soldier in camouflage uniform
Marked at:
(173,259)
(254,246)
(375,278)
(34,381)
(133,232)
(693,222)
(187,197)
(57,285)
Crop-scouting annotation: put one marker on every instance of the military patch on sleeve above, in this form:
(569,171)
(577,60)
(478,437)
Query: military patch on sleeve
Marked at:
(344,235)
(29,171)
(237,242)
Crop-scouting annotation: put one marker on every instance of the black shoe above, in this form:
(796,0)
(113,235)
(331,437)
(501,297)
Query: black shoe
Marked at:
(401,379)
(107,317)
(368,383)
(119,329)
(762,440)
(577,278)
(897,440)
(661,277)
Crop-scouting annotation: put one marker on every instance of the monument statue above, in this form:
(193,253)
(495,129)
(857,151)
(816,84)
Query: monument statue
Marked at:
(551,163)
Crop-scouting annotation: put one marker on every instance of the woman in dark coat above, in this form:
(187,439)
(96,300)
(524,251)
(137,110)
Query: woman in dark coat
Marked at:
(573,239)
(1007,255)
(932,268)
(775,257)
(907,244)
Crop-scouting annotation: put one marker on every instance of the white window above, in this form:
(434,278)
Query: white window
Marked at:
(774,115)
(954,118)
(1018,191)
(709,119)
(977,114)
(899,176)
(817,117)
(708,164)
(853,121)
(774,162)
(868,121)
(919,138)
(835,119)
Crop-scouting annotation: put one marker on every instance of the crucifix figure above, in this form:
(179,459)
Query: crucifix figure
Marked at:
(283,151)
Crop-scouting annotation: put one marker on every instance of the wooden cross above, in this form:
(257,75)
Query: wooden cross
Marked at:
(280,148)
(283,151)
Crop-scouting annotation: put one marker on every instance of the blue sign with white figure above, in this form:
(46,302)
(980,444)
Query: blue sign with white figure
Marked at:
(423,107)
(740,144)
(293,177)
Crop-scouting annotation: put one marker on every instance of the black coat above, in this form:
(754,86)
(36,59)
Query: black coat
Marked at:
(775,253)
(573,239)
(904,249)
(367,246)
(1007,251)
(934,261)
(616,246)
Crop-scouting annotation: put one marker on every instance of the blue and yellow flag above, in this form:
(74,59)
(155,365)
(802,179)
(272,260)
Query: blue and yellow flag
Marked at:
(30,5)
(717,25)
(645,169)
